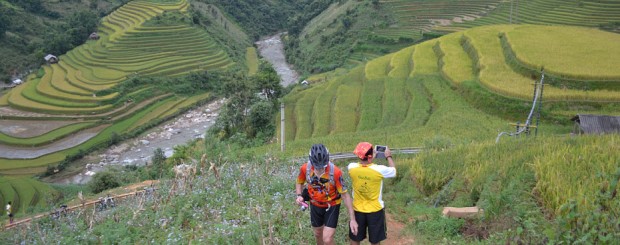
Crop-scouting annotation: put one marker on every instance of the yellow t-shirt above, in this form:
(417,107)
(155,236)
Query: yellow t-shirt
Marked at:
(367,183)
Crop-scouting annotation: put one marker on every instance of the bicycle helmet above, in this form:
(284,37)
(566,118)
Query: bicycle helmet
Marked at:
(318,156)
(363,150)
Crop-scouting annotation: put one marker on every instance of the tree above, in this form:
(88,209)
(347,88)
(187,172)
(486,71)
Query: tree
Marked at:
(261,119)
(267,82)
(103,181)
(5,21)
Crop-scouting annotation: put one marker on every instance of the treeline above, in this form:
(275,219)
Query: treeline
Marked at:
(35,6)
(349,32)
(259,18)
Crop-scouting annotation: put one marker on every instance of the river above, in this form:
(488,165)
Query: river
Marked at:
(272,49)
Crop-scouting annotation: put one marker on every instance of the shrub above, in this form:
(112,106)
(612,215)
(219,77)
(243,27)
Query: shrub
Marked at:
(103,181)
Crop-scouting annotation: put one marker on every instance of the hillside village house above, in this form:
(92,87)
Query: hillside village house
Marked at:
(596,124)
(17,81)
(93,36)
(51,59)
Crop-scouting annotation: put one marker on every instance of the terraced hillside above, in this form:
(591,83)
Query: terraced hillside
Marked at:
(395,94)
(72,106)
(588,13)
(23,193)
(411,18)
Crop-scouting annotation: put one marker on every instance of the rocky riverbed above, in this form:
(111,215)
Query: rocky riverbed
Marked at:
(178,131)
(272,49)
(138,151)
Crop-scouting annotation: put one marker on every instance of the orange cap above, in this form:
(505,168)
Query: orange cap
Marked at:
(361,149)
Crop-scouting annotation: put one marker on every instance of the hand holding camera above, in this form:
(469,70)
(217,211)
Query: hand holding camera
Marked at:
(382,151)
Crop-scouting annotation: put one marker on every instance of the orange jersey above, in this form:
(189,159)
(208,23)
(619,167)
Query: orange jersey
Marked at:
(318,189)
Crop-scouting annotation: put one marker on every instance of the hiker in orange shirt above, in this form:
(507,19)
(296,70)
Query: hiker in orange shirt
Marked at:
(367,182)
(325,190)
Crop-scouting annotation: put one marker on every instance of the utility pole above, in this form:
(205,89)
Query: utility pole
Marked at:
(517,12)
(510,16)
(282,144)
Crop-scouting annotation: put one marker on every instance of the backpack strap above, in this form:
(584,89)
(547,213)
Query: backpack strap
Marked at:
(331,174)
(308,169)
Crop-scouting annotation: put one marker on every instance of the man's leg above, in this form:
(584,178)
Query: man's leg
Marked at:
(318,235)
(328,235)
(377,227)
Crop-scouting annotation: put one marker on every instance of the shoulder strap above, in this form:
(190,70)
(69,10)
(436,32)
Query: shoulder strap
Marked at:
(331,173)
(308,169)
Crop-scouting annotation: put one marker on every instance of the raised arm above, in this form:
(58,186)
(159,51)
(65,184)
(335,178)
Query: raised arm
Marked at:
(388,155)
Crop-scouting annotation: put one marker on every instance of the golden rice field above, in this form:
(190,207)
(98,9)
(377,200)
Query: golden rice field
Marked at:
(534,44)
(378,95)
(132,42)
(498,76)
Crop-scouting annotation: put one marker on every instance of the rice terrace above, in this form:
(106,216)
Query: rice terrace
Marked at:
(446,76)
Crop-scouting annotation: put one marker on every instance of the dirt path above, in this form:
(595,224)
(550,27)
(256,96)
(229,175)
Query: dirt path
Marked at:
(116,194)
(396,232)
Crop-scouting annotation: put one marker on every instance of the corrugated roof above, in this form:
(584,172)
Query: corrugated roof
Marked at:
(49,56)
(598,124)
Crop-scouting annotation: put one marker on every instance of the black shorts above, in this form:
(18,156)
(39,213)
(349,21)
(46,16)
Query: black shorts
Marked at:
(374,222)
(323,217)
(11,215)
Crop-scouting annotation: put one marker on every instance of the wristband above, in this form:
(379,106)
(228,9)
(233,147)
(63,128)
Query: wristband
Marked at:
(298,195)
(388,157)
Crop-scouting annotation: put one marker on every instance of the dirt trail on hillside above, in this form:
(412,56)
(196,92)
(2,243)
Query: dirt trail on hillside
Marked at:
(396,234)
(121,192)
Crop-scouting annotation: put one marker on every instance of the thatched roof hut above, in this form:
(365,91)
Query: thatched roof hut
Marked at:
(596,124)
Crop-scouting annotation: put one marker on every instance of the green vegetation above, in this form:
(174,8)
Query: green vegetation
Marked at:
(24,193)
(247,116)
(103,181)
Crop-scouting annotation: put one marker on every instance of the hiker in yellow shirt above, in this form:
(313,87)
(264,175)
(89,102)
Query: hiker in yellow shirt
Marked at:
(367,182)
